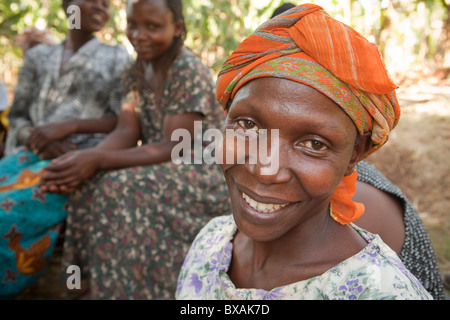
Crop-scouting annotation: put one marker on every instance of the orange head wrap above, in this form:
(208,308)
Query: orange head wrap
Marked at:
(306,45)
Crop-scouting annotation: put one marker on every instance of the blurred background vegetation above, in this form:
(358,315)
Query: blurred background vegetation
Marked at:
(411,34)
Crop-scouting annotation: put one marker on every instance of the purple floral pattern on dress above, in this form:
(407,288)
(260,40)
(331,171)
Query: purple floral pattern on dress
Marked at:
(375,272)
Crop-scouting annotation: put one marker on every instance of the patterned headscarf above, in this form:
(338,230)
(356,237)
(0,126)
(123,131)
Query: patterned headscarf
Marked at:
(307,45)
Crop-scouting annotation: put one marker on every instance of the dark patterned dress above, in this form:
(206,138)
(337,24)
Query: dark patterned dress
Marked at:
(129,230)
(417,253)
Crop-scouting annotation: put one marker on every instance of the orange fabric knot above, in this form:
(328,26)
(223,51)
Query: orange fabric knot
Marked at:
(342,208)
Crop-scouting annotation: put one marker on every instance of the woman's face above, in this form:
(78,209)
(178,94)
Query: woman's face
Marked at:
(94,14)
(151,28)
(316,149)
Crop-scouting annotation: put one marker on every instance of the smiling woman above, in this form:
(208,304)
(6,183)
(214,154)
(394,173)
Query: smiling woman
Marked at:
(291,234)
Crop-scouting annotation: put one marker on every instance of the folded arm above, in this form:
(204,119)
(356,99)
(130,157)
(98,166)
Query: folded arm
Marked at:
(118,150)
(43,137)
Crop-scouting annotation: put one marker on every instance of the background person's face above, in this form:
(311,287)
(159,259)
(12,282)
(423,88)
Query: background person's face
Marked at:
(94,14)
(151,28)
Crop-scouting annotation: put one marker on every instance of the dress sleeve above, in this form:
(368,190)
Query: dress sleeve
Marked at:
(19,115)
(189,87)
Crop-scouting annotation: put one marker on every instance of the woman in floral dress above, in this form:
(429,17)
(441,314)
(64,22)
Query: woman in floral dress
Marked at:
(129,229)
(322,89)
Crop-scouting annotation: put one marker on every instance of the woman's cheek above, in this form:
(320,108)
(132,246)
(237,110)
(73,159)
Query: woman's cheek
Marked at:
(316,178)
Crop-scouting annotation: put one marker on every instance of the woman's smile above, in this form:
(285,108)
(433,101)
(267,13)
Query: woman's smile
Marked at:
(99,18)
(262,207)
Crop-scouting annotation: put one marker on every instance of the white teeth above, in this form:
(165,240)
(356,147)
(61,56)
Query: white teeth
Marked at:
(262,207)
(97,16)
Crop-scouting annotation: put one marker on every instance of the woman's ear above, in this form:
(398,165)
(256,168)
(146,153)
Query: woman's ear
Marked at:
(179,26)
(362,145)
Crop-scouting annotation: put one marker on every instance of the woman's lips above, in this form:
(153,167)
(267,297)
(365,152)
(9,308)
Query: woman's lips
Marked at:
(98,18)
(262,207)
(142,49)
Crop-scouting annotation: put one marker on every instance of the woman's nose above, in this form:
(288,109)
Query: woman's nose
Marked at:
(272,162)
(266,174)
(139,33)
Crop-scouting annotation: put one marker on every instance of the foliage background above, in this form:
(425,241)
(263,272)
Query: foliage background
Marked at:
(410,34)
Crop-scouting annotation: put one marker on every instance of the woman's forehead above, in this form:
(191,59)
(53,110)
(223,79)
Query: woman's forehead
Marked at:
(154,3)
(279,91)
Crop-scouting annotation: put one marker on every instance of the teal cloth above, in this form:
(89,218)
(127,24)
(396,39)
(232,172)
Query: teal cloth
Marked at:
(29,225)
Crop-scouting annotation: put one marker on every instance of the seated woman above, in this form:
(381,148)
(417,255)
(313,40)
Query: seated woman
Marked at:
(291,234)
(68,96)
(390,214)
(129,229)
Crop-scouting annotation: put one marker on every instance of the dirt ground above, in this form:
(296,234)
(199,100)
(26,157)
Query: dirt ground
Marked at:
(416,158)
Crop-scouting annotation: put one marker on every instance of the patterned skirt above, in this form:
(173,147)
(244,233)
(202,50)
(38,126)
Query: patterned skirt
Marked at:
(129,230)
(29,223)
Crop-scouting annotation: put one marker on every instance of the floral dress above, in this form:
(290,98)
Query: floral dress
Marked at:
(130,229)
(374,273)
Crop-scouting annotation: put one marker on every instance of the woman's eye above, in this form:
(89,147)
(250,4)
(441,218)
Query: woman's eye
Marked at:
(152,27)
(315,145)
(248,125)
